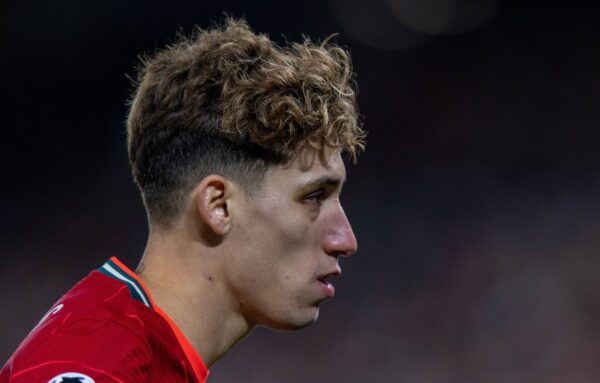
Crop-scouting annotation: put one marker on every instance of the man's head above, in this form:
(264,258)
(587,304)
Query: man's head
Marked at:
(230,102)
(239,142)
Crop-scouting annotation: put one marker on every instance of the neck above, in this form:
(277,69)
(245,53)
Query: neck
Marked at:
(184,281)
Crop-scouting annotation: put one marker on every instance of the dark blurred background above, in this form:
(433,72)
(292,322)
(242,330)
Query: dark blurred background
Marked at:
(476,205)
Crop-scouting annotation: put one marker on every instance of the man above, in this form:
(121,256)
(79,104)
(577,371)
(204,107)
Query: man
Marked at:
(236,147)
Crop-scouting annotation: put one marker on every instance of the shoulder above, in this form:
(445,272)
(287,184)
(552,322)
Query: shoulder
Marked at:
(95,330)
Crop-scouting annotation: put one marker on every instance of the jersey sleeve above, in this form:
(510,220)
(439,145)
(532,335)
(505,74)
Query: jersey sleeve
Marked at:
(61,371)
(86,351)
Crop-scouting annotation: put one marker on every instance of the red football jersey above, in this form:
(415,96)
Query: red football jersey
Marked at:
(105,329)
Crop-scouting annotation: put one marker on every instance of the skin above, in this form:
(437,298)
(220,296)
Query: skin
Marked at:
(234,261)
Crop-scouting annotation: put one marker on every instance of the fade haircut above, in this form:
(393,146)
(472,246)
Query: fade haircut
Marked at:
(228,101)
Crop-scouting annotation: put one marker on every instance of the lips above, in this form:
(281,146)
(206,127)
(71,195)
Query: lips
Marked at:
(328,288)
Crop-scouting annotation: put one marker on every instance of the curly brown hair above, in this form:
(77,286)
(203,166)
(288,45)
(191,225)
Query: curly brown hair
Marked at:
(231,102)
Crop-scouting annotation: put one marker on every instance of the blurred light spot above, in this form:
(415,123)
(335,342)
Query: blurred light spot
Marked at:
(401,24)
(373,23)
(443,16)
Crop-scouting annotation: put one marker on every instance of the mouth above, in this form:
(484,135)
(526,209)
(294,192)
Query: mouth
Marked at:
(327,287)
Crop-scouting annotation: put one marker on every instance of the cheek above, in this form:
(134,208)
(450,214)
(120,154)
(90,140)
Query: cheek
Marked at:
(282,231)
(278,245)
(275,271)
(286,251)
(279,255)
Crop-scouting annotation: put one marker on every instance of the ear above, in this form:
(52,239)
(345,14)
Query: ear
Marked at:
(212,194)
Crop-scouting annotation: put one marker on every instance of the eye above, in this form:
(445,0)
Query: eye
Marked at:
(315,197)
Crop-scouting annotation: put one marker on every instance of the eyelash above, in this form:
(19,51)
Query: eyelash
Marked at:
(316,197)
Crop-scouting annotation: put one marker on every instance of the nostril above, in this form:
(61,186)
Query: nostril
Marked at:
(341,251)
(337,254)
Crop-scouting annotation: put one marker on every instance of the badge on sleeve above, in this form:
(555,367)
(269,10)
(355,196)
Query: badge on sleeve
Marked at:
(71,377)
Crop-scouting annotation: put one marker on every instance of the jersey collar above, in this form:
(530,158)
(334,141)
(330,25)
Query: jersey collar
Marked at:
(117,270)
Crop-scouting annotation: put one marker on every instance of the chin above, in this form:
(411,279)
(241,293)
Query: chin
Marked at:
(296,323)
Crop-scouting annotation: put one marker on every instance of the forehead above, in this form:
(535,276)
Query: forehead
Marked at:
(307,166)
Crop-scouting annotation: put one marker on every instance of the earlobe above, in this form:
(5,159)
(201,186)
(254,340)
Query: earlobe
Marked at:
(211,199)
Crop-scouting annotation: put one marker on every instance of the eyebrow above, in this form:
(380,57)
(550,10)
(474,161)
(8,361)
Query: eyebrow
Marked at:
(325,180)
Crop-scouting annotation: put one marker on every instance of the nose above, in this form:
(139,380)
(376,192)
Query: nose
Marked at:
(340,239)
